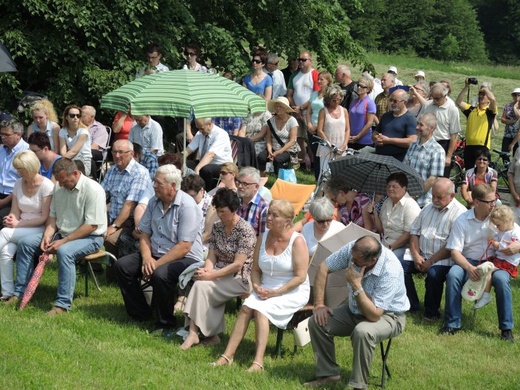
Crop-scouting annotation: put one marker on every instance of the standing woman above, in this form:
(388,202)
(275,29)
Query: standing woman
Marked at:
(362,115)
(45,121)
(226,272)
(333,125)
(280,283)
(510,118)
(75,138)
(259,82)
(312,113)
(284,128)
(192,53)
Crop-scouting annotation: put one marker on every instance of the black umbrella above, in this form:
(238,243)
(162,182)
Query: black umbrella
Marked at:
(367,172)
(6,62)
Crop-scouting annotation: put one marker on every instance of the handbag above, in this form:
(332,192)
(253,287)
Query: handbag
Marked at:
(294,161)
(287,174)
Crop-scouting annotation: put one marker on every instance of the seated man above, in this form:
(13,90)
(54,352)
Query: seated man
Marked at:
(253,207)
(396,129)
(375,311)
(468,243)
(40,144)
(170,241)
(428,236)
(124,183)
(98,132)
(147,133)
(214,149)
(11,132)
(76,226)
(146,159)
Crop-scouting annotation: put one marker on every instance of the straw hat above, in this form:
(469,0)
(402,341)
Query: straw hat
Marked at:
(280,100)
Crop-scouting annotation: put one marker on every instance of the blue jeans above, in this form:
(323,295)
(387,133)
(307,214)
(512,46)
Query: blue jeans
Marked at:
(67,256)
(504,300)
(435,278)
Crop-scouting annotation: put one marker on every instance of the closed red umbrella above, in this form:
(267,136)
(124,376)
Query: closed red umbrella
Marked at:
(44,259)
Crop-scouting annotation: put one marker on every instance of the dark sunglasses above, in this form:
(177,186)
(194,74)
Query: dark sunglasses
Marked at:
(323,221)
(487,201)
(482,159)
(189,53)
(361,86)
(303,59)
(74,116)
(256,61)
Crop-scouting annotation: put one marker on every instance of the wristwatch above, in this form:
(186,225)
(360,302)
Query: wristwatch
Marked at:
(357,292)
(115,226)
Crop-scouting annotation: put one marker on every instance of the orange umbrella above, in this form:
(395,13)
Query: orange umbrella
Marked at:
(44,259)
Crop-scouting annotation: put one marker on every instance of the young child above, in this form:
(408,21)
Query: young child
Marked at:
(504,219)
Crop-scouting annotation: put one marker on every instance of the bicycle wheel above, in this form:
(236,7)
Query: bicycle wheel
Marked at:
(456,175)
(503,182)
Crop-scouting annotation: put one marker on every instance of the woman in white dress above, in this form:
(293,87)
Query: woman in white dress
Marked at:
(280,283)
(75,138)
(32,196)
(333,125)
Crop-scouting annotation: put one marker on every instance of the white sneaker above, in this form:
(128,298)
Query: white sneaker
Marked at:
(486,298)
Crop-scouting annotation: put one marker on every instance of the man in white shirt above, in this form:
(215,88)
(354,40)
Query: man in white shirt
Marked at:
(279,88)
(147,133)
(214,149)
(153,55)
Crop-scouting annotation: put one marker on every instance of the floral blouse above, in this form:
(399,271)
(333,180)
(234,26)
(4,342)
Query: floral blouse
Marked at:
(242,239)
(355,215)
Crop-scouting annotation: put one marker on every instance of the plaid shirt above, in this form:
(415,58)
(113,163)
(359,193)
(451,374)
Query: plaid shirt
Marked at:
(228,124)
(381,104)
(428,160)
(149,161)
(255,213)
(127,185)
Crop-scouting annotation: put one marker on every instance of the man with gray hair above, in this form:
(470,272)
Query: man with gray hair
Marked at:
(279,87)
(387,82)
(344,78)
(98,132)
(214,149)
(253,206)
(396,129)
(170,241)
(448,121)
(11,132)
(426,156)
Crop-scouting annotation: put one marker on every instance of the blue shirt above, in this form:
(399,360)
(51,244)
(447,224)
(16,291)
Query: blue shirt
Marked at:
(384,283)
(126,185)
(8,174)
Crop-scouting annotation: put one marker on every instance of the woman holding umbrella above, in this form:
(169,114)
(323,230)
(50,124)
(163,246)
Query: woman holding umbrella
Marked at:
(32,195)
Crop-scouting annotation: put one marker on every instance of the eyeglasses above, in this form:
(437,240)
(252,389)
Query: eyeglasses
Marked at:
(303,59)
(273,63)
(153,57)
(224,173)
(116,152)
(243,183)
(437,98)
(190,53)
(487,201)
(323,222)
(361,86)
(515,94)
(6,135)
(35,150)
(335,100)
(256,61)
(72,116)
(395,101)
(482,159)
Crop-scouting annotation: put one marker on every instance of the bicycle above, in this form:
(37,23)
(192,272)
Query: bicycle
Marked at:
(334,153)
(502,166)
(457,164)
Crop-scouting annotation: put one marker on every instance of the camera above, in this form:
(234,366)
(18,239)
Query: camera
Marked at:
(472,80)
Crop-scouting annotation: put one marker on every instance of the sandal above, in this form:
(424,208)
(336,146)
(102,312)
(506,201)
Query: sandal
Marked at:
(229,361)
(255,367)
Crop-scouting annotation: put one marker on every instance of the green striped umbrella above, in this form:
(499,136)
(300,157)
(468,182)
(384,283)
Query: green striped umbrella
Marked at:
(184,93)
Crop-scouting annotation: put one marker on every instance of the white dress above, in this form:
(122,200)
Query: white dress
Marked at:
(84,155)
(276,272)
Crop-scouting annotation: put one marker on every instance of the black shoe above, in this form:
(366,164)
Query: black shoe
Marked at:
(431,318)
(507,335)
(446,330)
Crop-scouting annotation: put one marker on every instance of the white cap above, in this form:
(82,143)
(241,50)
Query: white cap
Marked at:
(392,69)
(516,90)
(420,73)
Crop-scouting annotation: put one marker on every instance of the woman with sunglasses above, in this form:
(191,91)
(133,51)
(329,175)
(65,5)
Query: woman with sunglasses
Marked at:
(45,121)
(74,138)
(481,173)
(333,125)
(362,113)
(228,174)
(192,53)
(259,82)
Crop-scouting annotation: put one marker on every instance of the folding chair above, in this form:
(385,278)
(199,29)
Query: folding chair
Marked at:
(101,165)
(385,371)
(99,257)
(297,194)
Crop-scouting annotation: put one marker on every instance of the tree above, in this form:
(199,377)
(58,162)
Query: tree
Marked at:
(75,52)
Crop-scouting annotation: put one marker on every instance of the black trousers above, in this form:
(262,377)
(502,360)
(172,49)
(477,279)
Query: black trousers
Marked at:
(4,211)
(210,173)
(278,161)
(164,283)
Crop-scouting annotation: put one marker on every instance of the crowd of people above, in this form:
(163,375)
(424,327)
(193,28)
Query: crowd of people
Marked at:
(208,232)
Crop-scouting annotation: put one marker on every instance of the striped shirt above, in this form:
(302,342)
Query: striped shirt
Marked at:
(433,227)
(384,283)
(255,213)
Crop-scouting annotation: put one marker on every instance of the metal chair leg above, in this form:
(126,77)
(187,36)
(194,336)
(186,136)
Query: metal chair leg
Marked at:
(385,371)
(279,339)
